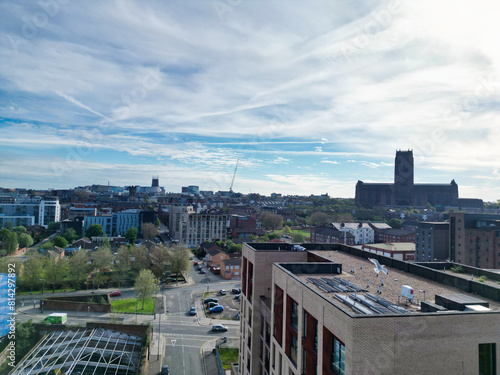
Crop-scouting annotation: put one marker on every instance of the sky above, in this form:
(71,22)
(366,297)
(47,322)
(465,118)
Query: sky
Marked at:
(307,97)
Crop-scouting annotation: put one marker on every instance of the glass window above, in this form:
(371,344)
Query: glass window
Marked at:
(293,349)
(295,315)
(487,359)
(338,357)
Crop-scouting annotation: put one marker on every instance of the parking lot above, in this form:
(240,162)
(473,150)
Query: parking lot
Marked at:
(231,305)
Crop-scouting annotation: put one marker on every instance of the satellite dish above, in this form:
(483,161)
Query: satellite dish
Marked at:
(378,266)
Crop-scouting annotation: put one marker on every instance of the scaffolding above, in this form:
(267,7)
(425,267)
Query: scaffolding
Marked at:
(94,351)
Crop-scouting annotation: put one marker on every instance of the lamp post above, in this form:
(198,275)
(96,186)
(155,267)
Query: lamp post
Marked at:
(136,300)
(43,289)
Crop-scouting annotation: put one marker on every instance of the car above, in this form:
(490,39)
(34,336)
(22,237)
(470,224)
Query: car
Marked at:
(222,292)
(236,291)
(237,297)
(216,308)
(202,271)
(211,304)
(116,293)
(192,311)
(195,263)
(219,328)
(165,370)
(207,300)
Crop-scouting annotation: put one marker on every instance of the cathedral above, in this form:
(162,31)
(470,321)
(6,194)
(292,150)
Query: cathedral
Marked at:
(404,192)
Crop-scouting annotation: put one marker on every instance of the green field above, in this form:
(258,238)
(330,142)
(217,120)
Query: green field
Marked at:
(228,356)
(128,306)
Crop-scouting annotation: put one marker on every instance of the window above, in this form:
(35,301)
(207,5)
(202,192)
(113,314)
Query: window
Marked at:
(487,359)
(295,315)
(293,349)
(338,357)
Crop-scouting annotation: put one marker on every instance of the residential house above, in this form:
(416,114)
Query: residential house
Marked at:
(230,268)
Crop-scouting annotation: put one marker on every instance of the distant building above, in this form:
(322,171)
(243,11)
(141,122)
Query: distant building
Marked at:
(404,192)
(475,239)
(432,241)
(31,211)
(362,232)
(328,234)
(396,235)
(230,268)
(397,250)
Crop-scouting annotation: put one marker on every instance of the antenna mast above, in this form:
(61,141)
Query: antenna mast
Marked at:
(234,175)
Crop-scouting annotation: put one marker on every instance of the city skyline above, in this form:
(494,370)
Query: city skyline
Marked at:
(310,98)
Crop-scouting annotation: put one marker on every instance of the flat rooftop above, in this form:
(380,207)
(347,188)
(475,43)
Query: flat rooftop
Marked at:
(358,280)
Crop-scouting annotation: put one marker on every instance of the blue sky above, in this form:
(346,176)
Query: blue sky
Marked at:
(310,97)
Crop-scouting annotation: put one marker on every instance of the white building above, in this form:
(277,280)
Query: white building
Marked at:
(44,211)
(362,232)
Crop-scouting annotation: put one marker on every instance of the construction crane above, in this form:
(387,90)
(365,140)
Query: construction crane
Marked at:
(234,175)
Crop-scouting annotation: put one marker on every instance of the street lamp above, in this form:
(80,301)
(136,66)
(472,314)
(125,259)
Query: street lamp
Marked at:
(136,300)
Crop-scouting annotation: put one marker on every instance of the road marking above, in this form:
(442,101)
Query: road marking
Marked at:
(173,342)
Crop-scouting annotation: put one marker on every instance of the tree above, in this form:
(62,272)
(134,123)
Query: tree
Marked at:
(4,233)
(146,284)
(396,223)
(122,264)
(270,220)
(286,230)
(159,259)
(141,258)
(25,240)
(11,242)
(131,234)
(319,218)
(95,230)
(60,241)
(101,262)
(78,268)
(179,260)
(298,237)
(19,229)
(56,271)
(70,235)
(105,242)
(33,271)
(47,245)
(54,226)
(149,231)
(8,225)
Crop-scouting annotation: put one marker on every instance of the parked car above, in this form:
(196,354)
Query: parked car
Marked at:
(195,263)
(202,271)
(207,300)
(165,370)
(211,304)
(192,311)
(236,291)
(116,293)
(222,292)
(219,328)
(237,297)
(216,308)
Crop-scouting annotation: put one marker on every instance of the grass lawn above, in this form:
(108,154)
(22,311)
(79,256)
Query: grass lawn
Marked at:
(228,356)
(128,306)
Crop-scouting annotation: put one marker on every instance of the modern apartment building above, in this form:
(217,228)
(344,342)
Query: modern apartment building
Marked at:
(432,241)
(322,309)
(31,212)
(191,228)
(475,240)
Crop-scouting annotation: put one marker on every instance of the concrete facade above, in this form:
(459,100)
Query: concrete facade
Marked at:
(432,241)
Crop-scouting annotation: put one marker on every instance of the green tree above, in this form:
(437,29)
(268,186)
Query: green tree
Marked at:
(105,242)
(78,269)
(95,230)
(25,240)
(122,264)
(270,220)
(11,243)
(319,218)
(60,241)
(33,272)
(149,231)
(396,223)
(286,230)
(56,271)
(179,260)
(298,237)
(26,337)
(159,259)
(19,229)
(47,245)
(4,233)
(146,284)
(141,258)
(8,225)
(53,226)
(70,235)
(101,262)
(131,234)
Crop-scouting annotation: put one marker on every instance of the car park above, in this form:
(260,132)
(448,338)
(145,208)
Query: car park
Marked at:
(219,328)
(192,311)
(216,308)
(116,293)
(222,292)
(236,291)
(207,300)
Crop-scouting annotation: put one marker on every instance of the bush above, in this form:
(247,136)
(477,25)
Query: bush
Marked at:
(482,279)
(457,269)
